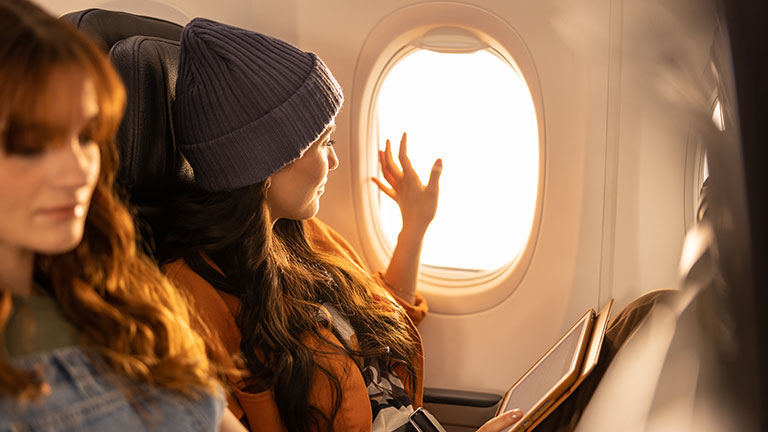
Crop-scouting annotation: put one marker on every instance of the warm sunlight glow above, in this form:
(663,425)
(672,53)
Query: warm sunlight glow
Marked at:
(476,113)
(717,117)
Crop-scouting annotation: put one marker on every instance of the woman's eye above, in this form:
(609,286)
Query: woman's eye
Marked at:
(85,137)
(28,149)
(26,142)
(29,152)
(330,143)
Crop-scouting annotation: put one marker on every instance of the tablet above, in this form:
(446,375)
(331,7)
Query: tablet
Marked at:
(551,379)
(590,360)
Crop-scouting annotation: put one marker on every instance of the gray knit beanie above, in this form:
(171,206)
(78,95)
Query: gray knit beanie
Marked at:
(247,104)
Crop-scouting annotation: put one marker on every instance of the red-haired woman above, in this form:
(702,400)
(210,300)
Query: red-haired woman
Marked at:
(94,337)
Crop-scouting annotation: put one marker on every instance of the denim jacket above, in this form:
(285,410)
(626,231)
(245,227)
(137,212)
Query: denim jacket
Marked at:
(86,396)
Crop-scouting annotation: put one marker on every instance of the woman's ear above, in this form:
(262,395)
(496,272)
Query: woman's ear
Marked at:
(267,185)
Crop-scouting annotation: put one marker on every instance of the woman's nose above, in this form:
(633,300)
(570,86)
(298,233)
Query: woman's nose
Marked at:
(333,160)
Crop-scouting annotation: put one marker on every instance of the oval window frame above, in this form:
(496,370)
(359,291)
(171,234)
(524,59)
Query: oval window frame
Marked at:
(448,291)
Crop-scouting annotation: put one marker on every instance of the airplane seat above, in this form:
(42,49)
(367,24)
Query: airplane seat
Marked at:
(145,52)
(107,27)
(151,163)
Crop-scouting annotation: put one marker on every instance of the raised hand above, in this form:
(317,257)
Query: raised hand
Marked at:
(417,202)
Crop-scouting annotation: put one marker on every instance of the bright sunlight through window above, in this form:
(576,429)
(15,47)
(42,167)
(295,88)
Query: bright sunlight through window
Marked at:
(476,113)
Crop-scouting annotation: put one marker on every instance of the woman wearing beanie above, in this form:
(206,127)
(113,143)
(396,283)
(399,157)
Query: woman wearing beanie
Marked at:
(328,346)
(94,337)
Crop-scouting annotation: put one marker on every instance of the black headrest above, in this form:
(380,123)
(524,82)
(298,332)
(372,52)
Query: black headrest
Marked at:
(107,27)
(150,162)
(145,52)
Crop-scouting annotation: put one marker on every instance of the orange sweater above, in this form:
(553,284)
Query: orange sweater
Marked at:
(218,310)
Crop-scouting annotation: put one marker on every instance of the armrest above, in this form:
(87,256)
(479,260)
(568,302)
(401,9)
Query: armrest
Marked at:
(460,397)
(459,410)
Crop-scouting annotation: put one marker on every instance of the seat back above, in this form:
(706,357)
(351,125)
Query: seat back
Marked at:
(107,27)
(145,52)
(150,162)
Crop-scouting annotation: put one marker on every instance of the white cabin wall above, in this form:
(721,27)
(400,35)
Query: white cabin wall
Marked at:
(665,52)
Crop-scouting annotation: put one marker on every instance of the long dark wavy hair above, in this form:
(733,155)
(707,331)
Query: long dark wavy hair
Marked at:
(281,282)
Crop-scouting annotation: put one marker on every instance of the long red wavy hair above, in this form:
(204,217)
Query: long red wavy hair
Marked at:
(117,297)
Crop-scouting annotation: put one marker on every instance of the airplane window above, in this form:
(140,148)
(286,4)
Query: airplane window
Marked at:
(475,112)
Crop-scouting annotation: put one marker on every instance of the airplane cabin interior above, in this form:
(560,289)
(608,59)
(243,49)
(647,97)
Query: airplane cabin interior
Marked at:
(593,150)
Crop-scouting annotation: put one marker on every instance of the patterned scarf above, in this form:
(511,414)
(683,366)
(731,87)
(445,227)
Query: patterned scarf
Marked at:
(390,403)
